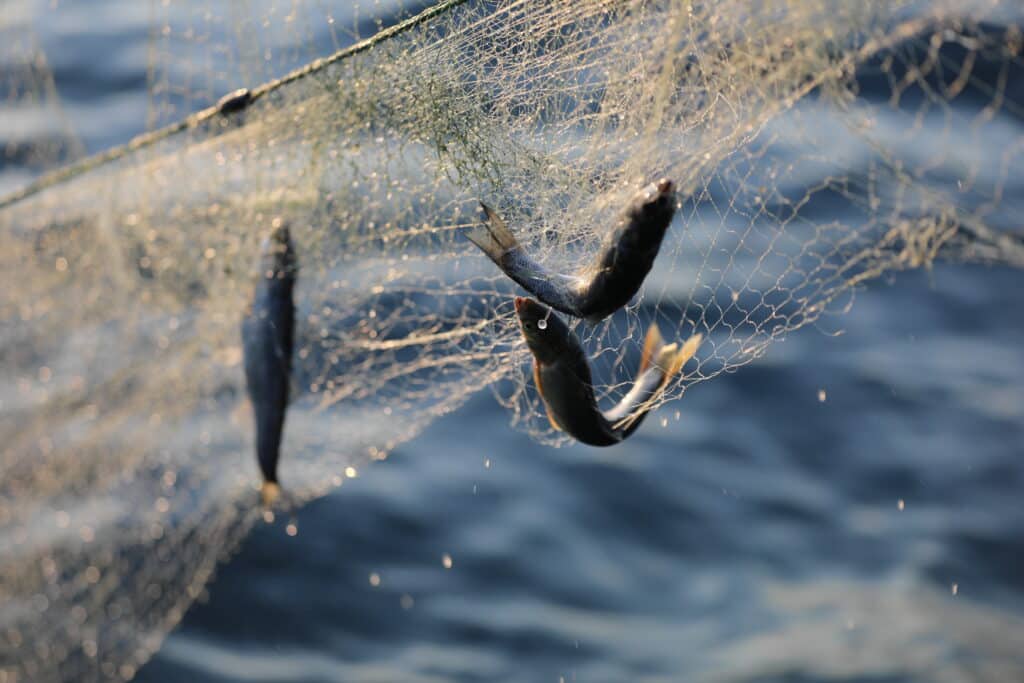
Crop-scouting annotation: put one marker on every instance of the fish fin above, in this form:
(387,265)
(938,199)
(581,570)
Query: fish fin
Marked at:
(653,344)
(540,389)
(675,361)
(269,493)
(671,359)
(493,236)
(668,361)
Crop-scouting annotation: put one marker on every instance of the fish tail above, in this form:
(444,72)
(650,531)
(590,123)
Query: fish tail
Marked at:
(654,345)
(673,360)
(493,236)
(269,493)
(669,358)
(659,365)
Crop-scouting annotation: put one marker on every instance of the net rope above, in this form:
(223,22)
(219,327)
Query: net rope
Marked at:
(127,467)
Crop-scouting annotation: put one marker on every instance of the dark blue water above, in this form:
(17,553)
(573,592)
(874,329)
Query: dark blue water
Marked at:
(847,508)
(759,538)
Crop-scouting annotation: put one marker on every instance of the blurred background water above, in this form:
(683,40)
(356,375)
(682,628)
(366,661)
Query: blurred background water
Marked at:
(848,508)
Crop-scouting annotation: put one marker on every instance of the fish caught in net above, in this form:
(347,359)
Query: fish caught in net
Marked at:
(127,471)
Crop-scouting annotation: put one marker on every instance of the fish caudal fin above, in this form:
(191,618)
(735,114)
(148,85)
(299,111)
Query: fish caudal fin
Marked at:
(269,493)
(667,357)
(659,365)
(672,360)
(654,345)
(493,236)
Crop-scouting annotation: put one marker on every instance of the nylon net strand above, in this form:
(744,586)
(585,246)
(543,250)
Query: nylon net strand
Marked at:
(127,468)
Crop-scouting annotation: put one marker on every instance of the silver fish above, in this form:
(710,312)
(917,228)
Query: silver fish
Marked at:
(562,375)
(625,257)
(268,330)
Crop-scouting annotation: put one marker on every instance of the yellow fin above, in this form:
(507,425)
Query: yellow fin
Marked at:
(673,361)
(540,390)
(653,344)
(687,352)
(670,360)
(269,493)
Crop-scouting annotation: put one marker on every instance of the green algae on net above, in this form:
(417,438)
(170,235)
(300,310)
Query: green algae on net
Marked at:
(792,129)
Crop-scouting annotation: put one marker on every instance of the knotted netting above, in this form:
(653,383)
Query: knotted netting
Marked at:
(127,468)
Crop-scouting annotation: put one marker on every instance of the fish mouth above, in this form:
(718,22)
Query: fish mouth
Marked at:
(520,303)
(665,186)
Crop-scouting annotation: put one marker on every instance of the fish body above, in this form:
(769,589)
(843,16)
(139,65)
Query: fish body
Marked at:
(623,262)
(628,252)
(562,375)
(234,101)
(268,330)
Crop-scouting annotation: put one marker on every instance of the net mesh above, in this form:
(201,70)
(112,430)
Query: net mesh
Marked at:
(813,143)
(36,134)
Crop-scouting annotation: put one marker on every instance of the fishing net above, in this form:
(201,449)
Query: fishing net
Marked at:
(36,134)
(816,145)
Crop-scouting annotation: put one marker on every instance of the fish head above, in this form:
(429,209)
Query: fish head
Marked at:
(544,331)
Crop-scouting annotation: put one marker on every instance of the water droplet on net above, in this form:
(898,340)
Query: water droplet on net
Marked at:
(542,324)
